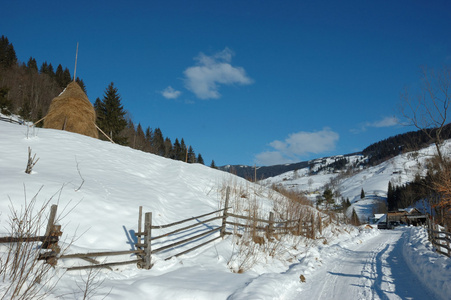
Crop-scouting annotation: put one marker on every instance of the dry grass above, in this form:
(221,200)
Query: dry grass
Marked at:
(72,111)
(23,275)
(254,242)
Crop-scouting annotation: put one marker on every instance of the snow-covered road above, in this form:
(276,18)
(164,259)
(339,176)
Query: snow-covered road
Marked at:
(365,267)
(374,269)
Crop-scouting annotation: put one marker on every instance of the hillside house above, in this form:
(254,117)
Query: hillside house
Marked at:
(410,216)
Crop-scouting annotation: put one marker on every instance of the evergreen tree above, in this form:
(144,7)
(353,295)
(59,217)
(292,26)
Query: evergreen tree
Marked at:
(44,68)
(158,142)
(140,139)
(59,75)
(81,84)
(67,78)
(200,160)
(328,196)
(32,65)
(390,197)
(183,151)
(149,135)
(8,56)
(168,151)
(111,114)
(177,149)
(362,194)
(213,165)
(5,104)
(355,218)
(191,155)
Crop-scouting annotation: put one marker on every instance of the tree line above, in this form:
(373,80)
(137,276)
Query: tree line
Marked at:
(401,143)
(27,90)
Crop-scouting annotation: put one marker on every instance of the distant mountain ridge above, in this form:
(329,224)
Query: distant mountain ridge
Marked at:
(374,154)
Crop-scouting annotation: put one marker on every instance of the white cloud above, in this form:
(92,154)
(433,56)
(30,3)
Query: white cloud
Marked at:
(270,158)
(297,145)
(210,72)
(385,122)
(170,93)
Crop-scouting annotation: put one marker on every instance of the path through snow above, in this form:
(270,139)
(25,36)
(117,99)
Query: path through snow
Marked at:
(372,269)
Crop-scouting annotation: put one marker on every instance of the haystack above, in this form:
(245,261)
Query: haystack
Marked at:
(72,111)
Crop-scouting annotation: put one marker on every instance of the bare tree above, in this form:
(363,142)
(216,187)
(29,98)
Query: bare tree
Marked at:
(428,110)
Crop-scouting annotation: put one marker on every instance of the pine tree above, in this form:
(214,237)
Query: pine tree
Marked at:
(6,106)
(67,78)
(111,114)
(183,151)
(390,196)
(140,139)
(59,75)
(81,84)
(362,194)
(328,196)
(355,218)
(8,56)
(191,155)
(213,165)
(158,142)
(177,149)
(200,160)
(32,65)
(168,151)
(149,135)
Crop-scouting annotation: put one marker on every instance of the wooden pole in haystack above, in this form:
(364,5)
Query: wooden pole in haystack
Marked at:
(76,57)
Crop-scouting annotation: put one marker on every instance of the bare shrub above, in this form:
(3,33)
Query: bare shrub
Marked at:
(23,275)
(31,162)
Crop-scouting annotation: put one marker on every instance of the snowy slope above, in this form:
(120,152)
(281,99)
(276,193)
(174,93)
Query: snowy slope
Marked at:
(99,187)
(373,180)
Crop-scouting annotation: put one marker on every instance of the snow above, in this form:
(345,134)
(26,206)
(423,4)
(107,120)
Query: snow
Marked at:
(99,186)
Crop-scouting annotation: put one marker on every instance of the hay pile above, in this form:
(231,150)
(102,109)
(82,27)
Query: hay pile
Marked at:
(72,111)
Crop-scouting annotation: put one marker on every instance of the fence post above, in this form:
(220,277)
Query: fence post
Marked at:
(224,213)
(313,226)
(271,224)
(320,224)
(300,226)
(147,238)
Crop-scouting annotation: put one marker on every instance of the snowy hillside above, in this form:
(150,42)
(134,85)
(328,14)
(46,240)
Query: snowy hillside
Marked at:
(349,182)
(99,186)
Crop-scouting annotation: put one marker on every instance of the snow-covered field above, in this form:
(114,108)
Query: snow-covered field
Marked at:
(99,186)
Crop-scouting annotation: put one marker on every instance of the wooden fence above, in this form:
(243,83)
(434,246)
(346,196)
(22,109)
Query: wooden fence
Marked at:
(180,234)
(49,240)
(440,239)
(179,237)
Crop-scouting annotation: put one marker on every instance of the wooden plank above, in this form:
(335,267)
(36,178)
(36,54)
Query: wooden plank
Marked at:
(106,265)
(146,262)
(51,221)
(224,213)
(248,218)
(185,228)
(104,253)
(194,248)
(247,225)
(186,220)
(185,240)
(9,239)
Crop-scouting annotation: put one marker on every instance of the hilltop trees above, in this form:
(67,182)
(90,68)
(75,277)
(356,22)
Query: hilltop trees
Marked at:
(8,56)
(111,114)
(28,89)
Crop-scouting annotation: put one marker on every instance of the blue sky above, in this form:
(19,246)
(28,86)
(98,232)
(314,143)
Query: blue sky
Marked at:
(245,82)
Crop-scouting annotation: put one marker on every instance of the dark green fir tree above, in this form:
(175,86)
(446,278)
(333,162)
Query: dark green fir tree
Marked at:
(111,114)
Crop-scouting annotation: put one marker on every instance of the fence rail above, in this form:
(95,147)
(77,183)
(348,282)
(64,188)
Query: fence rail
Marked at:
(149,242)
(441,240)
